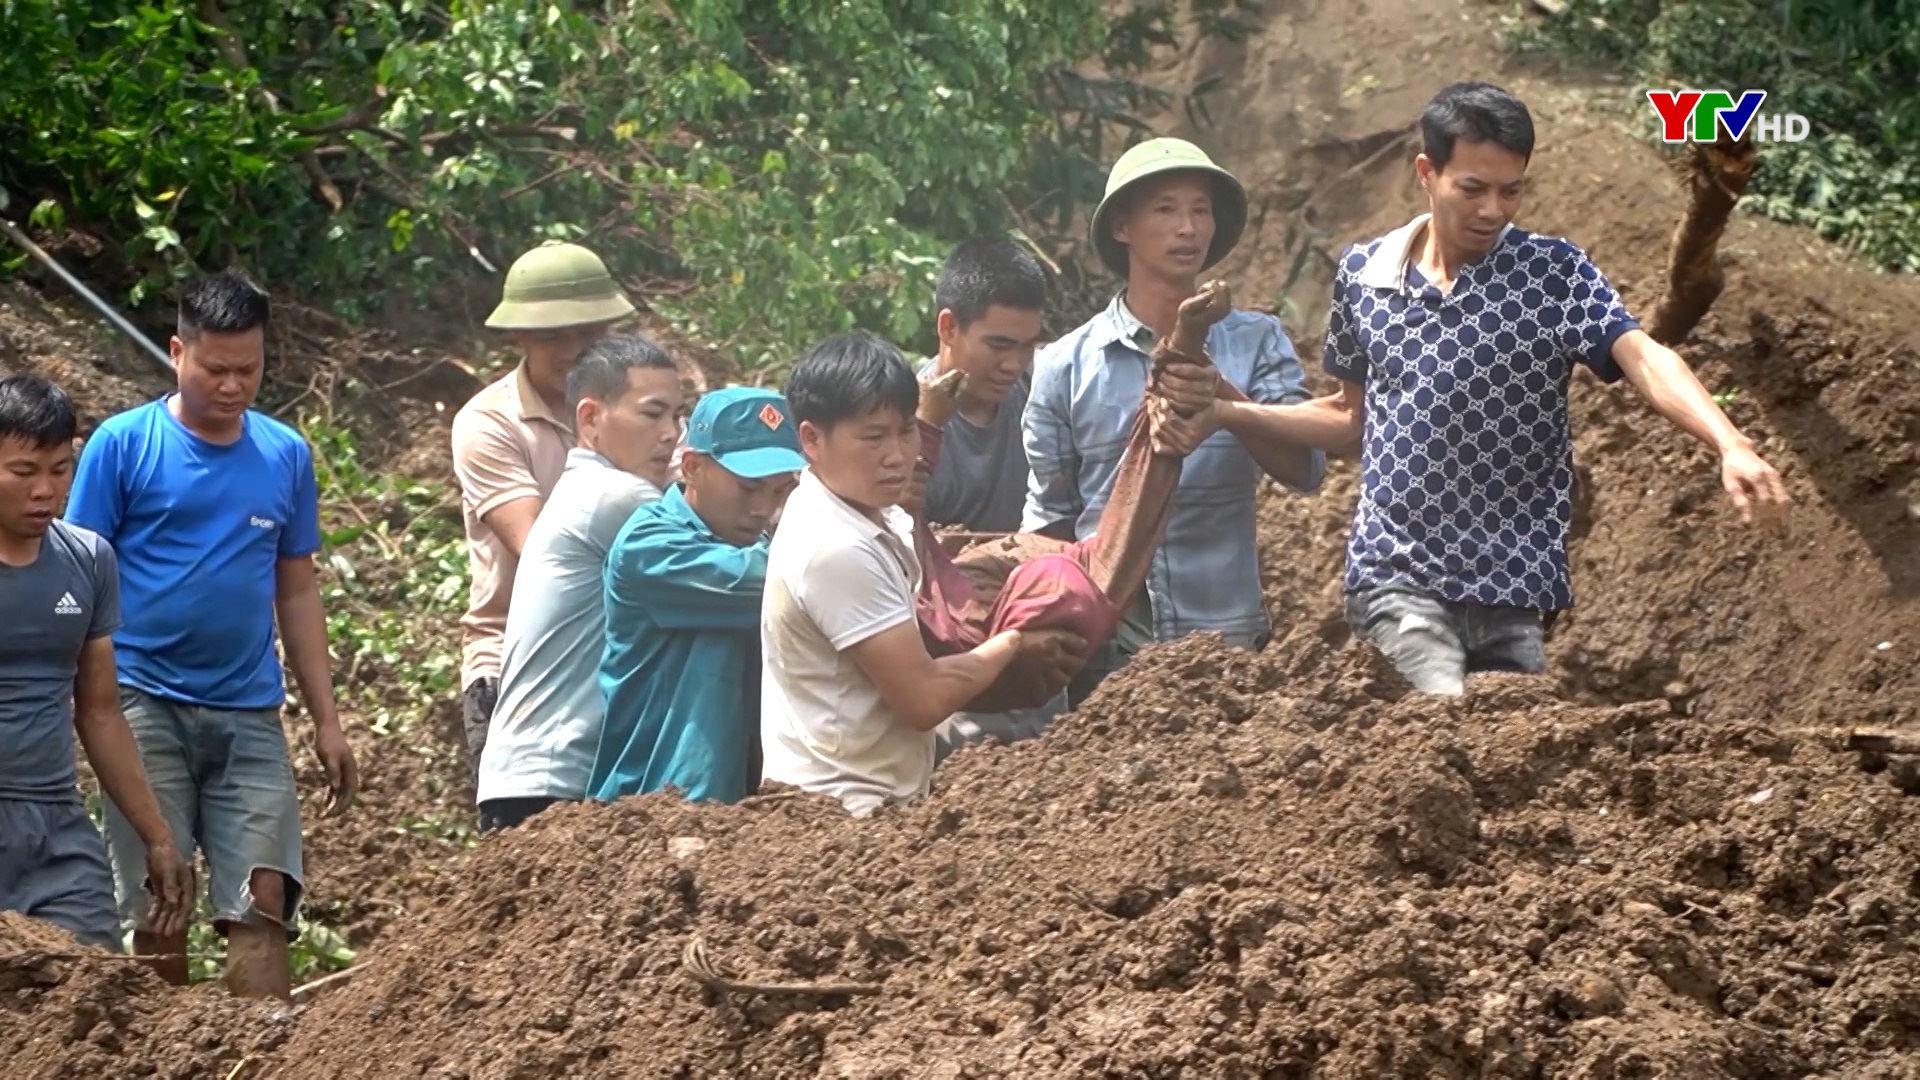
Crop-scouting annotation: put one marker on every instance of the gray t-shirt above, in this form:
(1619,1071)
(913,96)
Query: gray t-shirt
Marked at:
(69,595)
(546,724)
(981,481)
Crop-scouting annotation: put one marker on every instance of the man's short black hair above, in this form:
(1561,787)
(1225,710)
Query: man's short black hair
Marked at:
(224,303)
(986,271)
(601,371)
(37,412)
(851,376)
(1476,112)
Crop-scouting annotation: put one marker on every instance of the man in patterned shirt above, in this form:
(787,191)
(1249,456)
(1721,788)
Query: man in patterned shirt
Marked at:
(1455,338)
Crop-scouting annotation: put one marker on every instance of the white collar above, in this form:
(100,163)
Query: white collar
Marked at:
(1386,268)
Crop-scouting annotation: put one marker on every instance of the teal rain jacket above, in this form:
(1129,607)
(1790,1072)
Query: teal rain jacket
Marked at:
(681,671)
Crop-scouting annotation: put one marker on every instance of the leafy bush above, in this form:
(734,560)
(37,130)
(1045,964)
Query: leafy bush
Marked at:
(767,172)
(1851,67)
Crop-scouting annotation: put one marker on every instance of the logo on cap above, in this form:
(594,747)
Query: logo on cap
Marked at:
(771,417)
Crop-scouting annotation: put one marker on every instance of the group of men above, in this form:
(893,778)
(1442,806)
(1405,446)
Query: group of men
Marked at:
(699,604)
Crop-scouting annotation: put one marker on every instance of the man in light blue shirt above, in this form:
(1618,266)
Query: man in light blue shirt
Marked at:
(625,405)
(1169,213)
(681,669)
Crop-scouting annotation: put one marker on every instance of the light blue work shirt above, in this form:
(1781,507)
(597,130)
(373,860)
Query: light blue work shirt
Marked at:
(1086,388)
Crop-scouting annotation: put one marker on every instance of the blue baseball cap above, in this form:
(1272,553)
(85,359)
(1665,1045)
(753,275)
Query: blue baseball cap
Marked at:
(748,431)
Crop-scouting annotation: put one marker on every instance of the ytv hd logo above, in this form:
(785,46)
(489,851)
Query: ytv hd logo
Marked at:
(1695,114)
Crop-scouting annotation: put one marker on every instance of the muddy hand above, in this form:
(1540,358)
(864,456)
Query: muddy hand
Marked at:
(940,397)
(1197,315)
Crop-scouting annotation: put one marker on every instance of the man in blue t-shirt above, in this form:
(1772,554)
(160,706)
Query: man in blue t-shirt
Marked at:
(213,512)
(1454,338)
(61,593)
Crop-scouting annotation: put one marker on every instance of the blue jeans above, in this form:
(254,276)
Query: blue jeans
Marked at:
(53,866)
(1435,643)
(225,784)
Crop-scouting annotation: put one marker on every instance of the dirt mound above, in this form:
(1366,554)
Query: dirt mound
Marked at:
(68,1010)
(1227,865)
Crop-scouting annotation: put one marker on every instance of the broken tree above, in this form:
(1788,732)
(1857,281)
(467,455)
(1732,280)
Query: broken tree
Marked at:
(1717,175)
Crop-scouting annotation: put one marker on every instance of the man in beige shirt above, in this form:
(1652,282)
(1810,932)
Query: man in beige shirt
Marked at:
(510,444)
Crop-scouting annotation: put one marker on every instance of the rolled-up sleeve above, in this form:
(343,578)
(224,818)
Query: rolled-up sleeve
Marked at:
(1279,379)
(1046,432)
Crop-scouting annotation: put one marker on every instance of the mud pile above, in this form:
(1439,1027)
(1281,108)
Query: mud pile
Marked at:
(1227,865)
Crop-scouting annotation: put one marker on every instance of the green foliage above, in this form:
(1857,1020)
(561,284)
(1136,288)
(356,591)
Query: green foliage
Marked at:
(1851,68)
(768,172)
(394,582)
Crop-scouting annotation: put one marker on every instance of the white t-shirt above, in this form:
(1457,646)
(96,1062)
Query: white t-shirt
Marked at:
(546,724)
(834,579)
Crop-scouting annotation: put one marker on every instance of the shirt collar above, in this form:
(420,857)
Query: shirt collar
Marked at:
(1119,324)
(675,505)
(528,402)
(898,524)
(582,458)
(1386,268)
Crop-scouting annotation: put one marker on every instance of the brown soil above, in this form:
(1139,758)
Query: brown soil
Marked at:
(1227,865)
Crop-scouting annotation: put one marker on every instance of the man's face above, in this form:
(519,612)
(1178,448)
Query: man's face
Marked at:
(550,353)
(1475,196)
(1168,225)
(219,374)
(995,350)
(737,509)
(33,485)
(866,460)
(638,430)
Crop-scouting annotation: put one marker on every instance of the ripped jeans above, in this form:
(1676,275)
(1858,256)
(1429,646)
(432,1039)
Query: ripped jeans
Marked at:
(1434,643)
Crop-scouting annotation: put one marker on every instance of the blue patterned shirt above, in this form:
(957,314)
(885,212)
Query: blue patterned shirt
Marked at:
(1467,467)
(1087,387)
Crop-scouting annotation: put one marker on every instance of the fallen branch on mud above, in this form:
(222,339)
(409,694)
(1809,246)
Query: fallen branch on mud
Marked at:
(700,966)
(1717,175)
(308,991)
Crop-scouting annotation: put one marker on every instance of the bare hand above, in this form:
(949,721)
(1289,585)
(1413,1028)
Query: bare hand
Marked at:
(1752,484)
(343,775)
(170,885)
(1177,436)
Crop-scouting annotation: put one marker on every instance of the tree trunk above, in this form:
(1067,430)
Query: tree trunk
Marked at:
(1717,174)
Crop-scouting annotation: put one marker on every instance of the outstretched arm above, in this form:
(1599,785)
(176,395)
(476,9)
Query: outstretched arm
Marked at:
(1670,386)
(1331,424)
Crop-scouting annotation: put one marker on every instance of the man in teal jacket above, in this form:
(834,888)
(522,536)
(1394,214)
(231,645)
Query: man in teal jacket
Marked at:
(681,670)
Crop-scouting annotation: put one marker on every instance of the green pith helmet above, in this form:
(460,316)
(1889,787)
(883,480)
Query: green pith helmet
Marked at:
(1152,158)
(557,285)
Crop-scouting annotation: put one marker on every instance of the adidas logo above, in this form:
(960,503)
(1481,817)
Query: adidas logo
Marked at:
(67,605)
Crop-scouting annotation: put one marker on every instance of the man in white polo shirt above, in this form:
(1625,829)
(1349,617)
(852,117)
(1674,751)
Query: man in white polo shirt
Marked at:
(850,697)
(625,400)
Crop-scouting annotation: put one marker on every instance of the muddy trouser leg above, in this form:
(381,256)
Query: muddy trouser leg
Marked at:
(476,712)
(1421,634)
(1504,638)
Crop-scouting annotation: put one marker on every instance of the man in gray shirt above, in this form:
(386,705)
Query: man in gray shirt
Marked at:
(60,588)
(990,296)
(626,402)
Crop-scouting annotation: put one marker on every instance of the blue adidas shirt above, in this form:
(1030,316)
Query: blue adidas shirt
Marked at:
(1466,488)
(199,529)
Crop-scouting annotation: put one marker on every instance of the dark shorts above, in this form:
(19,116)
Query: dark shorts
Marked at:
(53,866)
(1436,643)
(497,814)
(476,712)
